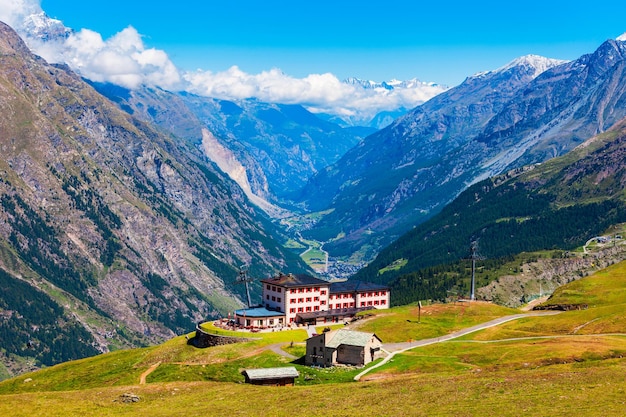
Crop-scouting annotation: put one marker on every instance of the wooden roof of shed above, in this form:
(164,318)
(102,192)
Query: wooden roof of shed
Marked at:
(271,373)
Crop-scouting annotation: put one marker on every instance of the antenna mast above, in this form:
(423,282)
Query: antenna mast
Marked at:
(474,256)
(245,279)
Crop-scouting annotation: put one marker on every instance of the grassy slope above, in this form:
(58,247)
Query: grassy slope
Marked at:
(561,364)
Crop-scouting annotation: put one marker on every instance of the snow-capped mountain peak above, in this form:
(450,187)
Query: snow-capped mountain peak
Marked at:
(391,85)
(540,64)
(621,38)
(41,26)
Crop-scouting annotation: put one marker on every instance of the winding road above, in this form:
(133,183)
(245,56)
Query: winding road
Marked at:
(395,348)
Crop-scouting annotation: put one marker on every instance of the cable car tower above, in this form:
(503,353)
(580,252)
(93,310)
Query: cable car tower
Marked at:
(474,256)
(243,278)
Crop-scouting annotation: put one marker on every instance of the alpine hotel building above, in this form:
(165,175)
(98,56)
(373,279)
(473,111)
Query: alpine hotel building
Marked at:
(290,299)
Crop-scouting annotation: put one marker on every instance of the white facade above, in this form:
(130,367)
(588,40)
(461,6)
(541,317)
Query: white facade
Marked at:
(305,295)
(292,297)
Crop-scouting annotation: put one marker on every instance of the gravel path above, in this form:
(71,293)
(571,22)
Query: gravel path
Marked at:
(394,348)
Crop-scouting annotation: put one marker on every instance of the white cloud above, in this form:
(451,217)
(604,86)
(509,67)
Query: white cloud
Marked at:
(12,12)
(123,59)
(319,92)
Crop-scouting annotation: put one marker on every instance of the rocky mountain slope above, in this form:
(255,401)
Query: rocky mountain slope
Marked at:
(132,234)
(528,111)
(269,149)
(393,174)
(558,205)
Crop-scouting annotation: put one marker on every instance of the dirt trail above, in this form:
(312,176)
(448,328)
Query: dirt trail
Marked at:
(142,378)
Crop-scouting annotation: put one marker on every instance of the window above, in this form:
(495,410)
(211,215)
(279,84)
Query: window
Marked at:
(279,289)
(308,299)
(369,303)
(300,289)
(323,292)
(376,302)
(376,294)
(293,290)
(273,288)
(308,309)
(268,286)
(383,293)
(279,299)
(309,289)
(383,302)
(316,289)
(316,298)
(267,297)
(322,303)
(301,300)
(316,308)
(362,303)
(330,306)
(292,301)
(273,298)
(300,310)
(292,310)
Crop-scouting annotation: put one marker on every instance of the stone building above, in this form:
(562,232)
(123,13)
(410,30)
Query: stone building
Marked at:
(342,347)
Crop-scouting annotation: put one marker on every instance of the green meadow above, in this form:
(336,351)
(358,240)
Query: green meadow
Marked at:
(572,363)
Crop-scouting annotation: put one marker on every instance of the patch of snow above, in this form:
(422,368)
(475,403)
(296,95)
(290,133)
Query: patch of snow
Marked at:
(622,37)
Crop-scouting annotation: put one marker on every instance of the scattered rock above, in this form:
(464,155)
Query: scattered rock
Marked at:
(129,398)
(28,380)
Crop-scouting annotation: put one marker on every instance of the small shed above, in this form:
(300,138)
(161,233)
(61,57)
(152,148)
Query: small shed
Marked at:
(271,376)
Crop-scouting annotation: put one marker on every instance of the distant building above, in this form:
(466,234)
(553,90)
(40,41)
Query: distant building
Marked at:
(305,299)
(342,347)
(271,376)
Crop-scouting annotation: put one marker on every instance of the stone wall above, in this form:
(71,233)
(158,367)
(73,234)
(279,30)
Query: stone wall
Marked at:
(204,339)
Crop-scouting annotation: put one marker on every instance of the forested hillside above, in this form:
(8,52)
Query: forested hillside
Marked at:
(556,205)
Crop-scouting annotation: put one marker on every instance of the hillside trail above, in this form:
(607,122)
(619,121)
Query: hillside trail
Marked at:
(144,375)
(395,348)
(535,302)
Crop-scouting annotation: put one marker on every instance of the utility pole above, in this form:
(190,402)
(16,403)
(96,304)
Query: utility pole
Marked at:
(244,279)
(474,256)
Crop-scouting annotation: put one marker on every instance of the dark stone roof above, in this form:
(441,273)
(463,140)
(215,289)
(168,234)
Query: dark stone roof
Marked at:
(294,280)
(355,286)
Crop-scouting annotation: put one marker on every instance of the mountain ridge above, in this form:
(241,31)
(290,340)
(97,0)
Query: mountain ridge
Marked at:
(134,232)
(491,123)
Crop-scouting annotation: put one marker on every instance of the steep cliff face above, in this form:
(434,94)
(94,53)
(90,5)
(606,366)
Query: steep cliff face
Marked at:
(279,146)
(131,230)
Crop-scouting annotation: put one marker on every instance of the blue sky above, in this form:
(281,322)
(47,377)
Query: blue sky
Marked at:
(438,41)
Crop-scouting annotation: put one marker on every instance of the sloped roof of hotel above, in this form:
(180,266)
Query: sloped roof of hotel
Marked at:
(294,280)
(355,286)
